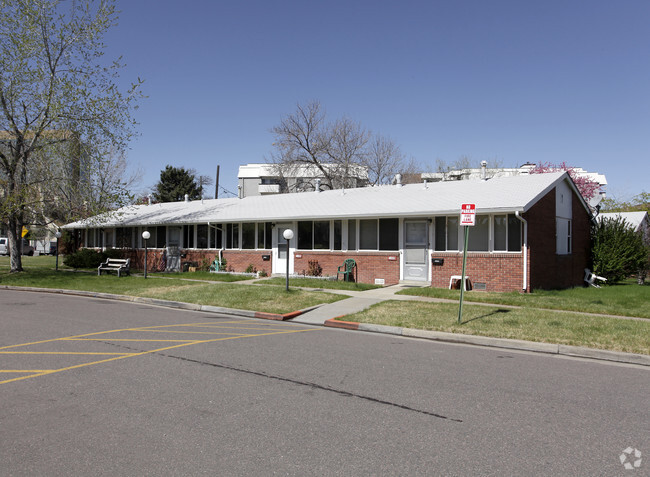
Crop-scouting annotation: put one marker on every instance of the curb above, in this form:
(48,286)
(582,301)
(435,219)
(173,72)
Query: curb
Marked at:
(532,346)
(166,303)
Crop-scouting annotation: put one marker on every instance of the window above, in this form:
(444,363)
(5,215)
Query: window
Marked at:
(479,235)
(388,234)
(446,238)
(368,234)
(322,235)
(232,236)
(514,233)
(124,237)
(248,235)
(216,236)
(314,235)
(352,234)
(188,236)
(161,236)
(507,233)
(90,237)
(563,236)
(202,236)
(264,235)
(338,235)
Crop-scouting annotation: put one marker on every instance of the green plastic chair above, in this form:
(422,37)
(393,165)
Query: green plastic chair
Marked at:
(347,269)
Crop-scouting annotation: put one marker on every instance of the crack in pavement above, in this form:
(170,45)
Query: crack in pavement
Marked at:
(320,387)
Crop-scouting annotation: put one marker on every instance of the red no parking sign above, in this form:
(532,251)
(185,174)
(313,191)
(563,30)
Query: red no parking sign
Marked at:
(468,214)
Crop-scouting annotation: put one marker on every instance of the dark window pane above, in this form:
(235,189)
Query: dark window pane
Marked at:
(322,235)
(337,234)
(514,233)
(305,237)
(368,234)
(352,234)
(441,234)
(201,236)
(389,234)
(500,232)
(161,236)
(479,234)
(248,235)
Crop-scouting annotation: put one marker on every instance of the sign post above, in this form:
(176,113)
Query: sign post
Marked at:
(467,219)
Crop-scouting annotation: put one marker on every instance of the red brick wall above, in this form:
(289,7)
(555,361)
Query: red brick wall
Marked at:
(549,270)
(236,260)
(499,271)
(370,265)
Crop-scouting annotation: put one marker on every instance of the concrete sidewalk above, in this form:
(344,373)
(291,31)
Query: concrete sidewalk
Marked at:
(358,302)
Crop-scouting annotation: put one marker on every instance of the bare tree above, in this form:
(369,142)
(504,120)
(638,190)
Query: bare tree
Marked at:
(343,152)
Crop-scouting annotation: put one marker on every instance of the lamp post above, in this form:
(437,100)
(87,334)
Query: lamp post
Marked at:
(57,234)
(145,236)
(288,235)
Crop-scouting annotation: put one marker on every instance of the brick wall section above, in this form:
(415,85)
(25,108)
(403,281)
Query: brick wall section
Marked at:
(547,269)
(236,260)
(370,265)
(500,272)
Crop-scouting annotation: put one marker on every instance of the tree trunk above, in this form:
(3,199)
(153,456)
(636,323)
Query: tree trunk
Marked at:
(15,260)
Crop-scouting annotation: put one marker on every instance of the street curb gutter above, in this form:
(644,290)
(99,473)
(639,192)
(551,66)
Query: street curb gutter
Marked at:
(167,303)
(548,348)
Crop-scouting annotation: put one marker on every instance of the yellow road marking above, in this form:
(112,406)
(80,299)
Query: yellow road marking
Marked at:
(130,355)
(190,332)
(125,339)
(63,352)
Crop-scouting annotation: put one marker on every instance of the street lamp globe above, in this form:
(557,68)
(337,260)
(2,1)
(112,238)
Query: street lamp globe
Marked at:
(288,234)
(146,235)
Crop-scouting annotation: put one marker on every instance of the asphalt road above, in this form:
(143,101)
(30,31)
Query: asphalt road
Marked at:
(142,390)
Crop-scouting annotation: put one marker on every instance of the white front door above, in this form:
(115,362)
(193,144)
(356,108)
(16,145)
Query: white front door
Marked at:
(280,250)
(416,246)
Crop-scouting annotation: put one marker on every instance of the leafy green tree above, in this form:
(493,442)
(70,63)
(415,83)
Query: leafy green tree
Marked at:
(617,250)
(174,183)
(61,112)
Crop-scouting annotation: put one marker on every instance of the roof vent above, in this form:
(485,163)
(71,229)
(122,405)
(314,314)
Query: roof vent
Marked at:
(187,197)
(426,186)
(317,185)
(484,170)
(398,180)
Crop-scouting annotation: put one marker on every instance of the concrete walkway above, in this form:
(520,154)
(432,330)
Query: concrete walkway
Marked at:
(359,301)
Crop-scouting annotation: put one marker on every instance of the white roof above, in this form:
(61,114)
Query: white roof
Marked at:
(499,195)
(635,219)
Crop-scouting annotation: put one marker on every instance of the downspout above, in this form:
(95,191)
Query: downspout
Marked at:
(524,287)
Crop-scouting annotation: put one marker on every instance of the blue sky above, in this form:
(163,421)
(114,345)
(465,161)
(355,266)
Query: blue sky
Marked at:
(502,80)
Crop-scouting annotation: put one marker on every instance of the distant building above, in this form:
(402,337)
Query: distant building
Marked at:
(486,173)
(265,179)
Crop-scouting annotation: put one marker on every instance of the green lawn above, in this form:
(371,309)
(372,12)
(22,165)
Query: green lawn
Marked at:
(40,272)
(626,299)
(528,324)
(319,284)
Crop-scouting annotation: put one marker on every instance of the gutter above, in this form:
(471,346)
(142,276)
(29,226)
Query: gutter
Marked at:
(524,285)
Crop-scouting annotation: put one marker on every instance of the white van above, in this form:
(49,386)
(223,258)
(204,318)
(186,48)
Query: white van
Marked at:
(4,247)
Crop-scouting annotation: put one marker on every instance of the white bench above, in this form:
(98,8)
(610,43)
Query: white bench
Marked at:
(459,278)
(118,265)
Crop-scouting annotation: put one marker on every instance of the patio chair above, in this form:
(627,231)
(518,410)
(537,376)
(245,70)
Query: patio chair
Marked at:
(347,269)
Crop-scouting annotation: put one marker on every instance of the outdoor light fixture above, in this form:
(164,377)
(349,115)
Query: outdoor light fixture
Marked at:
(57,234)
(145,235)
(288,235)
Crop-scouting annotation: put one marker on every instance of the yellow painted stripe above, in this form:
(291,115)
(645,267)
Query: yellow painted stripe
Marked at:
(190,332)
(24,370)
(44,373)
(125,339)
(65,352)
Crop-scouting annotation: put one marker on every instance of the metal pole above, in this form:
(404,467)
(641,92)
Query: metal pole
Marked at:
(288,240)
(57,254)
(145,259)
(462,280)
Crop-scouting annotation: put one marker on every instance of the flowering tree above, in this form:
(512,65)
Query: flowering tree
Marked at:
(588,188)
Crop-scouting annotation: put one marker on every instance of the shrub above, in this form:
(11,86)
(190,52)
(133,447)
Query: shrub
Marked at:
(617,250)
(89,258)
(251,269)
(315,270)
(84,258)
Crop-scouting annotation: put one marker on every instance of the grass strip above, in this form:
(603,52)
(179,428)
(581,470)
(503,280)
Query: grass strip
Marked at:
(318,284)
(625,299)
(548,326)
